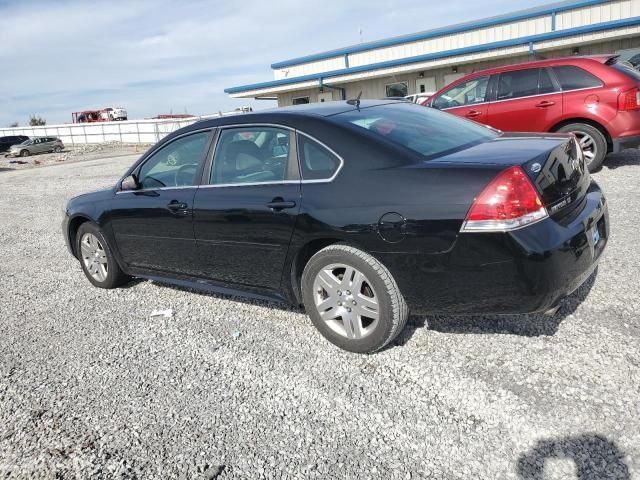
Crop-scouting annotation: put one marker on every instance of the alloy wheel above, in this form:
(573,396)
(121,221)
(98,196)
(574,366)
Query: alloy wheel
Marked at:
(588,146)
(94,257)
(346,301)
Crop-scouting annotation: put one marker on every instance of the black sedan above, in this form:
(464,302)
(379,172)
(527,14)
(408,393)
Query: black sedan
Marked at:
(360,211)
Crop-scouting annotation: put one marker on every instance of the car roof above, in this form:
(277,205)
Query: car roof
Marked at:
(326,109)
(543,63)
(308,110)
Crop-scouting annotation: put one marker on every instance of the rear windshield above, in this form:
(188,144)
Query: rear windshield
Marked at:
(627,69)
(424,130)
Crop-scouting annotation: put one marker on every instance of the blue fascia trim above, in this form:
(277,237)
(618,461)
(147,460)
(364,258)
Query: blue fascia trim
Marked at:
(438,32)
(448,53)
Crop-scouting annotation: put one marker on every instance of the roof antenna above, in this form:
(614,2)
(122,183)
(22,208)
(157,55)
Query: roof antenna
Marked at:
(356,101)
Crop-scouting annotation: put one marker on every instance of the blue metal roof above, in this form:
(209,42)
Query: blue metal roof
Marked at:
(438,32)
(596,27)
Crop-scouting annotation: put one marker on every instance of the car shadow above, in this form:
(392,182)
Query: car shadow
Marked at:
(528,325)
(622,159)
(594,457)
(225,296)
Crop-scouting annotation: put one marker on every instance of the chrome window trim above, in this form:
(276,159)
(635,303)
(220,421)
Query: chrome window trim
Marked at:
(223,185)
(275,182)
(471,105)
(215,147)
(321,180)
(252,184)
(186,187)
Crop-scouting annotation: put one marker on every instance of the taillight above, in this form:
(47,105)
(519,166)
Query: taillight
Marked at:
(629,100)
(509,202)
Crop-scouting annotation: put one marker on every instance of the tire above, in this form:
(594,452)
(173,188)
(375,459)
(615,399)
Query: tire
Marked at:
(24,153)
(112,276)
(595,140)
(57,149)
(320,286)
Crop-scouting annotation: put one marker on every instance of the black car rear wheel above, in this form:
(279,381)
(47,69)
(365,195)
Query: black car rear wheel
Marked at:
(352,299)
(96,258)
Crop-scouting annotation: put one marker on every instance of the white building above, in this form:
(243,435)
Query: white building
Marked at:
(426,61)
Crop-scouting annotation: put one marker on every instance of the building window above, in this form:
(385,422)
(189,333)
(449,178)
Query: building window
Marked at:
(300,100)
(399,89)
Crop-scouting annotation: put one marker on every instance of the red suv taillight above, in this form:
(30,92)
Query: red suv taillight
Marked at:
(629,100)
(509,202)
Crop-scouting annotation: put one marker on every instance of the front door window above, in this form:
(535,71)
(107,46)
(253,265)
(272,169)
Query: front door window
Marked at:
(176,164)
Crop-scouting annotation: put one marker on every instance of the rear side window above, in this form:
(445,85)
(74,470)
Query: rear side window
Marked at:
(574,78)
(524,83)
(316,161)
(426,131)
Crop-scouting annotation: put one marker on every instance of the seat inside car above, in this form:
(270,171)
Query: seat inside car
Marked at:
(241,162)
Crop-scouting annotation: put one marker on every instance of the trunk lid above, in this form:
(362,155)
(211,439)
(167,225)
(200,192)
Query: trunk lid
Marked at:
(553,162)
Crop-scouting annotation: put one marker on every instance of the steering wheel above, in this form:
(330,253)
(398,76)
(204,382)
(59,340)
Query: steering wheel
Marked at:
(185,174)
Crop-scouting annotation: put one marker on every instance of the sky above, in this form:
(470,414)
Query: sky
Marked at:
(162,56)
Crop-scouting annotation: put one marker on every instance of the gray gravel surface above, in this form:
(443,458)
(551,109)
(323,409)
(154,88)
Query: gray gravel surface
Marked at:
(92,386)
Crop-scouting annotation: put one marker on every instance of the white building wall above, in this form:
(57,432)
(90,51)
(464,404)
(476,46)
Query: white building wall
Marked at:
(613,10)
(375,87)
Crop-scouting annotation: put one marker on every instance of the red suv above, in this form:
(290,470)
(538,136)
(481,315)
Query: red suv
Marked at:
(596,98)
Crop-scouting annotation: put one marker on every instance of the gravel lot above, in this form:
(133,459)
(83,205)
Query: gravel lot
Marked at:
(92,386)
(71,154)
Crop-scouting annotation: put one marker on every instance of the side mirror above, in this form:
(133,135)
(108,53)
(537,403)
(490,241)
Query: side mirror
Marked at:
(130,183)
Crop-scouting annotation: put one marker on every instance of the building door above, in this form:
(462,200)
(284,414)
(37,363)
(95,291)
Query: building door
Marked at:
(325,96)
(426,85)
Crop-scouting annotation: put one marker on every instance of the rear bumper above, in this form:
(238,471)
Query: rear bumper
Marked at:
(528,270)
(623,143)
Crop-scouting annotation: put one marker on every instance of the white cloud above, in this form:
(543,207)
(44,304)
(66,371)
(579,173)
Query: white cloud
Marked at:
(151,56)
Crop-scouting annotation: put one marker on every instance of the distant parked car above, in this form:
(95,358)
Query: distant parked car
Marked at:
(112,114)
(36,145)
(596,98)
(6,142)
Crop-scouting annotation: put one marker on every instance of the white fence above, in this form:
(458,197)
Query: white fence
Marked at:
(129,131)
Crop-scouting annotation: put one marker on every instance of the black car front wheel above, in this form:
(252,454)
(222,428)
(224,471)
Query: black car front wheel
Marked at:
(352,299)
(96,258)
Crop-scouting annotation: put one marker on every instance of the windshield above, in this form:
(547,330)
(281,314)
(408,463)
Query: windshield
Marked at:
(424,130)
(26,142)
